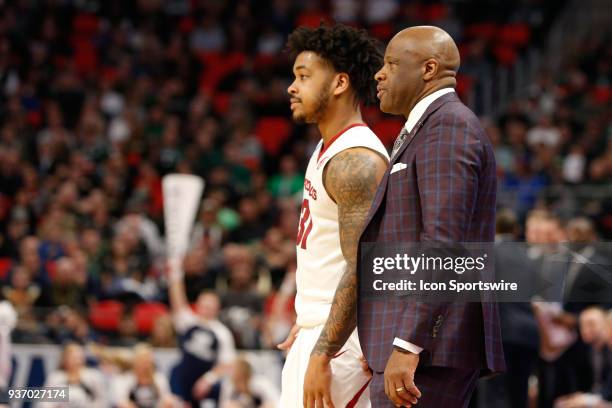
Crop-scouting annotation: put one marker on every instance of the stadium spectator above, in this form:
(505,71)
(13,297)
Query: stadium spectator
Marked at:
(289,182)
(593,332)
(162,334)
(67,287)
(596,326)
(8,321)
(207,346)
(207,230)
(241,303)
(586,267)
(143,386)
(251,227)
(199,275)
(22,293)
(277,253)
(69,325)
(86,385)
(279,315)
(520,336)
(30,260)
(245,389)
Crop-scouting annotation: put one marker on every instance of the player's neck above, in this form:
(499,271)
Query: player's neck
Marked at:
(337,120)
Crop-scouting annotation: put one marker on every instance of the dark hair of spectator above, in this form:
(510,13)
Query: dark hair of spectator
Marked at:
(348,49)
(506,222)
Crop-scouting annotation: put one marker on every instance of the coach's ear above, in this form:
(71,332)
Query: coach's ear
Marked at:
(431,68)
(341,83)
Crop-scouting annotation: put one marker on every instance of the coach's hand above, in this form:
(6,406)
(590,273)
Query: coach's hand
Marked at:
(317,383)
(286,345)
(399,378)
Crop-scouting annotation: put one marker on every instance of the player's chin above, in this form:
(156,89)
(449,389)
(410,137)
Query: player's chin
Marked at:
(298,116)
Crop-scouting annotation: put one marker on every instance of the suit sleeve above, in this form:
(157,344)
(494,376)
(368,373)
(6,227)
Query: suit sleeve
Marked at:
(448,162)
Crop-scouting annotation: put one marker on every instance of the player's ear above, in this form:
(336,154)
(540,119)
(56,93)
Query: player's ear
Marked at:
(430,69)
(341,83)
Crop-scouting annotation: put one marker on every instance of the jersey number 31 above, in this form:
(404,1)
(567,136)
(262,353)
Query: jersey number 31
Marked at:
(305,225)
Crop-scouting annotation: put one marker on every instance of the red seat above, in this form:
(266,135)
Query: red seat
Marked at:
(85,24)
(435,12)
(34,118)
(272,132)
(485,30)
(387,130)
(464,50)
(106,315)
(221,102)
(109,74)
(382,31)
(186,25)
(516,35)
(505,55)
(51,268)
(264,61)
(5,267)
(145,315)
(464,85)
(601,94)
(85,55)
(311,19)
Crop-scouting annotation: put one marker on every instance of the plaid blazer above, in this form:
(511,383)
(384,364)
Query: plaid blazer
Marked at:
(446,193)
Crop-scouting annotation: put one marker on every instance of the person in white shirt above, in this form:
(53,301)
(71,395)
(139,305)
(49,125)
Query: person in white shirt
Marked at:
(143,386)
(86,386)
(245,389)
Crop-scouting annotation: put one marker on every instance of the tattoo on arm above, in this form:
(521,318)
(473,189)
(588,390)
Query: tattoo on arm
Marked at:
(351,179)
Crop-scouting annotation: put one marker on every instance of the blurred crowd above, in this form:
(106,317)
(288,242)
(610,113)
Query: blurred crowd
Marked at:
(556,346)
(560,134)
(130,379)
(100,99)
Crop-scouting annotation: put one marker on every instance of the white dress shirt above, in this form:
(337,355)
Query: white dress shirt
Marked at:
(415,115)
(422,105)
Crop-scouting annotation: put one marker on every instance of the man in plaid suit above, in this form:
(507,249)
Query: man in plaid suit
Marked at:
(440,187)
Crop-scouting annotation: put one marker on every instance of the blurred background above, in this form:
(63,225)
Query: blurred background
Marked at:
(100,99)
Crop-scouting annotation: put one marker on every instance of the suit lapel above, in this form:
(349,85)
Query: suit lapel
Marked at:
(382,187)
(435,105)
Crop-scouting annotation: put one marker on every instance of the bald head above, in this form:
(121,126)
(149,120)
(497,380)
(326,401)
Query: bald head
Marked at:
(430,42)
(418,61)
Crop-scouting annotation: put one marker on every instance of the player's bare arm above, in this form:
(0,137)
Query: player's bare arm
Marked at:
(351,179)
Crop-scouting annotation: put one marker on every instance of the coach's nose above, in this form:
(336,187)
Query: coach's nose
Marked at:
(380,74)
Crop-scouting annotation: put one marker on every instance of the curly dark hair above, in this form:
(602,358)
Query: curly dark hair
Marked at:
(348,49)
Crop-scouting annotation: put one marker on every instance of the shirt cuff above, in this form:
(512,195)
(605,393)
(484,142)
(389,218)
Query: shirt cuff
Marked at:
(407,346)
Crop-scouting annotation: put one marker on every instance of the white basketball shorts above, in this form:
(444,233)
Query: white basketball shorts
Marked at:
(349,388)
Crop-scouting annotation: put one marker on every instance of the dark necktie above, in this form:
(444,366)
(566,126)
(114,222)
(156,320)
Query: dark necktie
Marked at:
(399,141)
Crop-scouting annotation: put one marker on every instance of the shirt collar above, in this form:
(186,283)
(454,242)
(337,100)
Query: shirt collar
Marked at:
(422,105)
